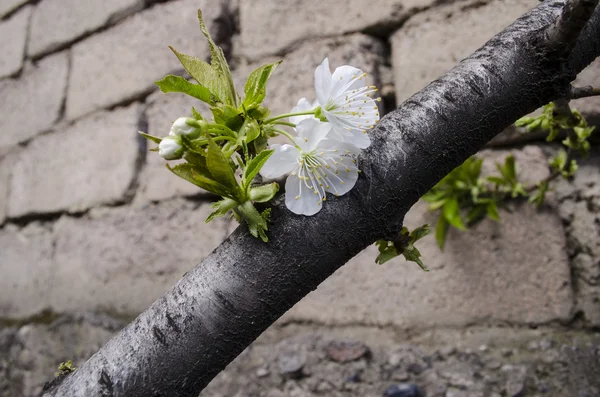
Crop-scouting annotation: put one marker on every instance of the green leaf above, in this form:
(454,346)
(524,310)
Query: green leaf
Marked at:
(197,146)
(205,75)
(387,251)
(154,139)
(537,198)
(510,167)
(476,214)
(508,170)
(221,208)
(219,65)
(492,211)
(257,223)
(263,193)
(255,165)
(250,130)
(196,159)
(420,232)
(218,166)
(255,88)
(196,114)
(498,180)
(194,175)
(227,115)
(451,212)
(412,254)
(172,83)
(437,204)
(441,230)
(523,121)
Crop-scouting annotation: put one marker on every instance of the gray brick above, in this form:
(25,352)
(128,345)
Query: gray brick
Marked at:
(274,26)
(434,41)
(13,35)
(58,22)
(122,259)
(8,6)
(35,101)
(126,59)
(89,163)
(26,268)
(5,163)
(515,271)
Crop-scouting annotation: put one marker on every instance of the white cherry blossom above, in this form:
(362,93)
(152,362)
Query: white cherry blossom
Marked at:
(346,102)
(303,106)
(316,164)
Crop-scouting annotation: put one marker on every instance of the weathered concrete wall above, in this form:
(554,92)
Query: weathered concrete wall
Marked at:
(91,221)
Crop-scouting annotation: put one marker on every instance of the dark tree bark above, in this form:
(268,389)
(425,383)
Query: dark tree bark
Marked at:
(216,310)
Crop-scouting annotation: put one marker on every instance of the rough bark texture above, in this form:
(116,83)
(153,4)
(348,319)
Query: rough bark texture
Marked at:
(186,337)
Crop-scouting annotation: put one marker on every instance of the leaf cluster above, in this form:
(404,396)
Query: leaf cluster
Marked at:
(228,154)
(403,245)
(464,197)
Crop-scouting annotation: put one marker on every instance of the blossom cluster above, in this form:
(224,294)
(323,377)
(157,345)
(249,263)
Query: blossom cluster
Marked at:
(329,132)
(225,153)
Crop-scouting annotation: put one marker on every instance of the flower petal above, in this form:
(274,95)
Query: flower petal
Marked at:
(323,82)
(310,132)
(341,177)
(336,145)
(300,198)
(303,105)
(281,162)
(345,78)
(339,132)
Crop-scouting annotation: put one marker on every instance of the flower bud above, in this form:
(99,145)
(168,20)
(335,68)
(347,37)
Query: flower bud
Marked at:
(170,148)
(187,127)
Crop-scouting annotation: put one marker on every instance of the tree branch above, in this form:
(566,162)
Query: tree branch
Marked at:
(216,310)
(583,92)
(564,32)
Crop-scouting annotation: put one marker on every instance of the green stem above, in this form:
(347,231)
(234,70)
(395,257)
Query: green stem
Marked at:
(286,134)
(285,123)
(285,115)
(221,128)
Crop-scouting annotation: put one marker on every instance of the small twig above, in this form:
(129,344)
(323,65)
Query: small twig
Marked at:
(563,34)
(583,92)
(562,108)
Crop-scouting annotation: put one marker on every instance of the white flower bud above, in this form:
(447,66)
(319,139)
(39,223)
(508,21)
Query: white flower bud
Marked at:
(170,148)
(181,127)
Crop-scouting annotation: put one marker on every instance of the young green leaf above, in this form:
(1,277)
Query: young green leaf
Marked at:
(196,114)
(539,195)
(387,251)
(190,173)
(218,166)
(250,130)
(154,139)
(257,223)
(441,230)
(254,166)
(221,208)
(219,65)
(492,212)
(420,232)
(173,83)
(263,193)
(412,254)
(451,212)
(255,88)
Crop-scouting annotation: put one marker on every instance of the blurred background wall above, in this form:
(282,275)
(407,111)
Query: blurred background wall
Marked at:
(93,228)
